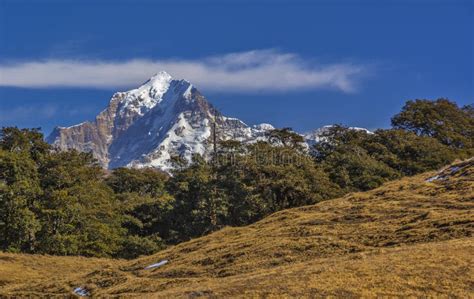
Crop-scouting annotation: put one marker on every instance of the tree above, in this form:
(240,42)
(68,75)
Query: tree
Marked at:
(79,213)
(356,160)
(353,169)
(63,203)
(336,136)
(19,188)
(409,153)
(58,203)
(286,137)
(146,181)
(440,119)
(198,206)
(285,177)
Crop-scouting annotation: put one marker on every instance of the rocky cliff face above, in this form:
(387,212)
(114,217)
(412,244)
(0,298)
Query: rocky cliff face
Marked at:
(94,137)
(164,117)
(147,126)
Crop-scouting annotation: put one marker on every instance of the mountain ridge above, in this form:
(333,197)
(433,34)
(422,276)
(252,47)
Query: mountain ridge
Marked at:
(145,126)
(162,118)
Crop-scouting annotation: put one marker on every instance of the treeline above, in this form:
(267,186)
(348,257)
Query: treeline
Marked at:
(63,203)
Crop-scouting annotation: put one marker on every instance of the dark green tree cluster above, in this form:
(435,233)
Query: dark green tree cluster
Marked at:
(425,136)
(63,203)
(440,119)
(59,202)
(244,184)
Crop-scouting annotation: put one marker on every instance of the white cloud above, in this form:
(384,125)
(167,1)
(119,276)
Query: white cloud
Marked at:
(259,70)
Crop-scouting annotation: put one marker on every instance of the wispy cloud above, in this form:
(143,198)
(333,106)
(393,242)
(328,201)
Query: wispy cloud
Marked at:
(258,70)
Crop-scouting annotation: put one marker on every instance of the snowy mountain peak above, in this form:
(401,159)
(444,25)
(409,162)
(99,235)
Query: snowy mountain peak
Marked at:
(150,125)
(147,126)
(158,80)
(142,99)
(264,126)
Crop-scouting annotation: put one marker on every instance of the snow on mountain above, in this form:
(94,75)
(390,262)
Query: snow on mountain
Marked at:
(264,126)
(317,135)
(146,126)
(144,98)
(164,117)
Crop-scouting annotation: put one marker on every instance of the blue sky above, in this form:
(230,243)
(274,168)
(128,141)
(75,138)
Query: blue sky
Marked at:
(300,64)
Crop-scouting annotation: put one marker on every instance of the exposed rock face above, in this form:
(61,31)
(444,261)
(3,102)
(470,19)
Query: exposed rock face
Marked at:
(164,117)
(94,137)
(148,125)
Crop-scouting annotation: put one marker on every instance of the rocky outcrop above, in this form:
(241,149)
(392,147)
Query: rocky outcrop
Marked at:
(145,127)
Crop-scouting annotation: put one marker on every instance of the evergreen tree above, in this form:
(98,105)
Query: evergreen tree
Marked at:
(440,119)
(20,151)
(63,203)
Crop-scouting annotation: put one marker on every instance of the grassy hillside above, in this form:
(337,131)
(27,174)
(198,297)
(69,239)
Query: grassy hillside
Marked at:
(408,237)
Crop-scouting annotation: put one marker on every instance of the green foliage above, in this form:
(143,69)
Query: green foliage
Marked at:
(285,177)
(19,188)
(145,216)
(198,207)
(353,169)
(58,202)
(440,119)
(409,153)
(63,203)
(356,160)
(133,246)
(244,184)
(25,141)
(286,137)
(146,181)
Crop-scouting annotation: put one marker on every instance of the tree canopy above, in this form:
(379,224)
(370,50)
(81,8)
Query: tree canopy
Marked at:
(441,119)
(63,203)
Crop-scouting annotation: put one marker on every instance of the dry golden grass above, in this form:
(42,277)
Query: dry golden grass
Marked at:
(25,274)
(408,237)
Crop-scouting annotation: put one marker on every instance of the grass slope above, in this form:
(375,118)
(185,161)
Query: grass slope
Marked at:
(408,237)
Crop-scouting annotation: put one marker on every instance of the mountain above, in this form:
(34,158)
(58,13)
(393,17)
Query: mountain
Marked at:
(317,135)
(148,125)
(164,117)
(408,238)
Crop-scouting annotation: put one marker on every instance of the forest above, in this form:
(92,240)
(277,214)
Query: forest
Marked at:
(62,203)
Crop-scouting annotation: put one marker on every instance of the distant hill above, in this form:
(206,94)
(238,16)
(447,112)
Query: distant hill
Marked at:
(411,237)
